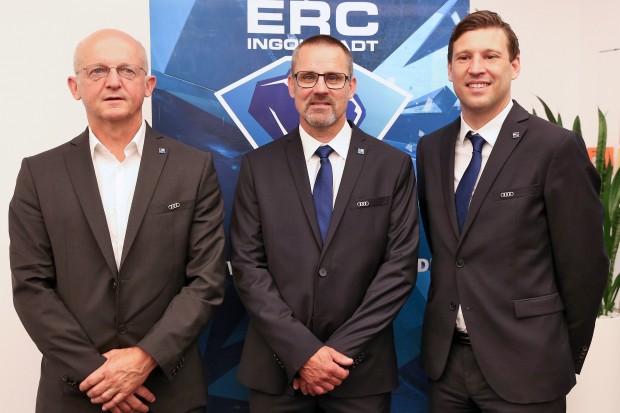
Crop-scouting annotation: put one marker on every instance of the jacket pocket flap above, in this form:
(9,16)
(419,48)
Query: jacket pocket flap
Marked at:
(531,307)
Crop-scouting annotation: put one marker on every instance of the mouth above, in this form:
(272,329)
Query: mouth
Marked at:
(320,104)
(478,85)
(113,98)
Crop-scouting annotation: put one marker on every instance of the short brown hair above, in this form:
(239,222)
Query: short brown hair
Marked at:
(324,39)
(483,19)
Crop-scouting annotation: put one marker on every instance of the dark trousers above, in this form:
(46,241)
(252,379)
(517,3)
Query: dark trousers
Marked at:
(298,403)
(462,388)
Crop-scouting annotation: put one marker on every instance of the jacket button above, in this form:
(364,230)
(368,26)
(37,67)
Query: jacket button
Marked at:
(460,263)
(114,285)
(452,306)
(122,329)
(323,272)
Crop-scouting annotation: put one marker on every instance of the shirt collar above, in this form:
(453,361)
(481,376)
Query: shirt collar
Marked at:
(340,142)
(490,131)
(137,142)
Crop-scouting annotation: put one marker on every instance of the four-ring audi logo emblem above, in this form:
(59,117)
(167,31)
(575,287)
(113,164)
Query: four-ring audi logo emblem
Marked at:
(507,194)
(174,206)
(363,203)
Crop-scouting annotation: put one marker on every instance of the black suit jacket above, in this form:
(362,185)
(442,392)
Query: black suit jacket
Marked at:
(301,295)
(76,304)
(528,268)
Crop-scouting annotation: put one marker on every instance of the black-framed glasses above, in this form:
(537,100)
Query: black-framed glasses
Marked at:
(308,80)
(96,72)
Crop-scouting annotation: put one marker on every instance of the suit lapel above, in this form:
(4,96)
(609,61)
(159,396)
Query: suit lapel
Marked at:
(352,169)
(448,142)
(81,171)
(510,135)
(297,164)
(151,165)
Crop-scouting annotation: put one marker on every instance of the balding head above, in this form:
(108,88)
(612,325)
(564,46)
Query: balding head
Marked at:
(107,38)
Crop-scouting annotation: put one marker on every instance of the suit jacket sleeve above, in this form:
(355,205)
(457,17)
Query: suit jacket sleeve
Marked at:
(191,309)
(575,225)
(290,339)
(395,277)
(53,328)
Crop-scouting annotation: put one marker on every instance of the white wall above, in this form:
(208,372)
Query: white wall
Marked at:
(559,40)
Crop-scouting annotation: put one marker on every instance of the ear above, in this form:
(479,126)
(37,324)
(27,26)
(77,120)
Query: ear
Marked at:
(516,67)
(450,71)
(72,82)
(150,82)
(352,86)
(291,86)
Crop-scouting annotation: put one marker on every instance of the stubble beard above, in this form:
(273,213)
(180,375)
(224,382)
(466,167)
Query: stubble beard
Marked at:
(319,118)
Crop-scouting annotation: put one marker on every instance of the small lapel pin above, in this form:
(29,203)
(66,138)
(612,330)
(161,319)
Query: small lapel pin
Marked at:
(161,151)
(360,151)
(174,206)
(515,135)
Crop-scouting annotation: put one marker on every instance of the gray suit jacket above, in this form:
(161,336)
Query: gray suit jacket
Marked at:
(76,304)
(300,294)
(528,268)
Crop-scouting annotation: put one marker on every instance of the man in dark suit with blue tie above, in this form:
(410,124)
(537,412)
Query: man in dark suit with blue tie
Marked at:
(324,236)
(511,210)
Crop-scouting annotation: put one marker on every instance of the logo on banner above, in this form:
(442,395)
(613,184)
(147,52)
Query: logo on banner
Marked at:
(268,21)
(260,104)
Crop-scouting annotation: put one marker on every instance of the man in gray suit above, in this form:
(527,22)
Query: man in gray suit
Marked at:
(117,249)
(518,268)
(323,276)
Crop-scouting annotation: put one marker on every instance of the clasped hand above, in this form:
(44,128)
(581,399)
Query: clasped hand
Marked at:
(323,372)
(118,382)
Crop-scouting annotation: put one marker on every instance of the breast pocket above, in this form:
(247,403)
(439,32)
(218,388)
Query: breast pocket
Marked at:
(171,207)
(370,202)
(514,193)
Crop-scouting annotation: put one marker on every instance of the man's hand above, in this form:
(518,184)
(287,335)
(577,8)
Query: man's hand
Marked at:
(119,380)
(322,372)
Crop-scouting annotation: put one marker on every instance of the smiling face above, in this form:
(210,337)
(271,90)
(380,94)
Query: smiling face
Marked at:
(322,110)
(482,72)
(112,99)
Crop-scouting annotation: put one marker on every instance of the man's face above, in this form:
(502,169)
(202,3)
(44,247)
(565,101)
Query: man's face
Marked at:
(482,72)
(113,98)
(322,110)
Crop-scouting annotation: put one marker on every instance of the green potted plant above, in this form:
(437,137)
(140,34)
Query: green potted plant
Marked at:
(610,198)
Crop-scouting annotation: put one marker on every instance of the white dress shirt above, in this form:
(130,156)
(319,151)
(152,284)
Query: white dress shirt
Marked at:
(117,182)
(340,144)
(462,157)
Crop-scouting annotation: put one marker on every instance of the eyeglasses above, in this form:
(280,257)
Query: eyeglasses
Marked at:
(308,80)
(96,72)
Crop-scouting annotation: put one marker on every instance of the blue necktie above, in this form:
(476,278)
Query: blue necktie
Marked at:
(463,193)
(323,190)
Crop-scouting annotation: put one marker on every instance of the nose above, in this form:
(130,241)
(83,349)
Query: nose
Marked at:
(321,86)
(477,65)
(113,80)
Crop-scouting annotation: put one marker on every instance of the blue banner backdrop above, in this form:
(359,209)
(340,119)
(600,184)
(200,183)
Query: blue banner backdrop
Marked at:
(221,68)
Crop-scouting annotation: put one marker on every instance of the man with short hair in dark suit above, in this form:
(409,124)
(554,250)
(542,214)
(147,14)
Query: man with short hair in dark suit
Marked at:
(324,236)
(117,249)
(518,267)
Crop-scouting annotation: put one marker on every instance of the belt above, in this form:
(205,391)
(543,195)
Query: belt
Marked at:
(461,337)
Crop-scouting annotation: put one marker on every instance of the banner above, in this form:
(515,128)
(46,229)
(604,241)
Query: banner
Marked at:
(221,68)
